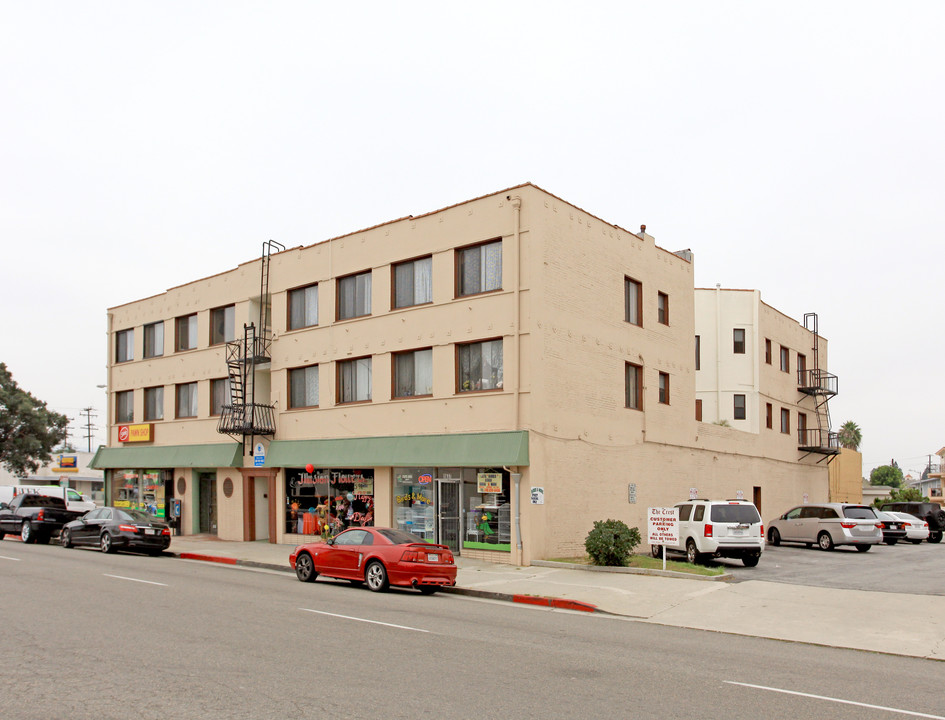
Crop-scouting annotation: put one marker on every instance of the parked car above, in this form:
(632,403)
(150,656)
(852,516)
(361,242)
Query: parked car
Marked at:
(931,512)
(893,528)
(828,525)
(917,529)
(111,528)
(35,518)
(718,528)
(379,557)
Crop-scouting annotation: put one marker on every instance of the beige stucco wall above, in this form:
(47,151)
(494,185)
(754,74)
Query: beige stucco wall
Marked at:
(846,477)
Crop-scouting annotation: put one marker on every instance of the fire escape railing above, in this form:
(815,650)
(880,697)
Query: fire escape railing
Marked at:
(821,386)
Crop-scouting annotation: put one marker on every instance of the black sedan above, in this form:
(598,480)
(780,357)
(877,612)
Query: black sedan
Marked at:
(111,528)
(894,529)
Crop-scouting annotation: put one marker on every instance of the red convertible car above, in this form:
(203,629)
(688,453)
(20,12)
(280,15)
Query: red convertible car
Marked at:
(378,556)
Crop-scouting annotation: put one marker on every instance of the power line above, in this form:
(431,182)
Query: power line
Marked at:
(89,427)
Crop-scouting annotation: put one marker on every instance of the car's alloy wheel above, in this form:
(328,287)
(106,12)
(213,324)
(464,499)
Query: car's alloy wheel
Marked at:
(376,577)
(305,568)
(774,537)
(656,550)
(825,541)
(26,532)
(65,538)
(106,543)
(692,554)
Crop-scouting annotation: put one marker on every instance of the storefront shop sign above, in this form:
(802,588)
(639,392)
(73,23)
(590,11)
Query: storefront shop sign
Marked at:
(489,482)
(142,432)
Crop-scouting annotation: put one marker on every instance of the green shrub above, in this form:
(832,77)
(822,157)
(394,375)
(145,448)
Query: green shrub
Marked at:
(611,543)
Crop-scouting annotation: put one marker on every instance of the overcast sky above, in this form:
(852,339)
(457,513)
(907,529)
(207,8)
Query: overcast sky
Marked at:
(796,148)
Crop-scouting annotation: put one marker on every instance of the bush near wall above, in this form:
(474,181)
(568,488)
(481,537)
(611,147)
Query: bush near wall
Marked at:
(611,543)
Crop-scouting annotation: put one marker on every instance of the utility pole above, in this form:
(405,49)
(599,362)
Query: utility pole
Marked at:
(89,427)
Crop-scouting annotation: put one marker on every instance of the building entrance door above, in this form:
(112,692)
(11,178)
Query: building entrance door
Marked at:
(208,503)
(448,522)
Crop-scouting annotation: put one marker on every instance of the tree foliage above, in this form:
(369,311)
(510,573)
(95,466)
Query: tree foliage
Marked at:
(902,495)
(889,475)
(28,429)
(850,435)
(611,543)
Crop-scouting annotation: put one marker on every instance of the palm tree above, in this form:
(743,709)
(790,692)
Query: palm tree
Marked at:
(850,435)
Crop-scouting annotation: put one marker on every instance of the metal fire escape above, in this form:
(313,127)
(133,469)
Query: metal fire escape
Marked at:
(244,417)
(821,386)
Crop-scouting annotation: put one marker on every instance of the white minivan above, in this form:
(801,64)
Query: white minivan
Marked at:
(74,500)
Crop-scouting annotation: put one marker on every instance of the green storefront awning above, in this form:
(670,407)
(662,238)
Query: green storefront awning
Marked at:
(169,456)
(493,449)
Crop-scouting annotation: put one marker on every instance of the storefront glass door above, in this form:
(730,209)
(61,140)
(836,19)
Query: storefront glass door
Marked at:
(448,513)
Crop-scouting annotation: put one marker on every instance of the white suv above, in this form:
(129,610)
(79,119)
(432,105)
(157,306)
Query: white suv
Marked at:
(718,528)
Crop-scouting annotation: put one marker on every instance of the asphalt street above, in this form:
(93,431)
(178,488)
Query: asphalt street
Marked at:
(112,636)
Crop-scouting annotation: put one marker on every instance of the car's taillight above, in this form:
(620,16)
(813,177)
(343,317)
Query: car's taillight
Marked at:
(925,524)
(762,529)
(166,531)
(708,530)
(881,525)
(849,525)
(410,556)
(127,528)
(40,515)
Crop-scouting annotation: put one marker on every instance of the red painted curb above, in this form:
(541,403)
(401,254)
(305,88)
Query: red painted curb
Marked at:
(208,558)
(557,603)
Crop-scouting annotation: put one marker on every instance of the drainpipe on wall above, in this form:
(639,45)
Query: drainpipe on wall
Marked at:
(718,351)
(517,388)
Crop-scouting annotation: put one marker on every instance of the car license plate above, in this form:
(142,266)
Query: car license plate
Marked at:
(738,531)
(150,531)
(433,557)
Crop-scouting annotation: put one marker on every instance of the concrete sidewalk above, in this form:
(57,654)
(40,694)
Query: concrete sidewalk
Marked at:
(899,624)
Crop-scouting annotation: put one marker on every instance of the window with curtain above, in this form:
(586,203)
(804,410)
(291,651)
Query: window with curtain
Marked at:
(303,307)
(354,380)
(664,388)
(480,366)
(186,330)
(187,400)
(219,395)
(479,268)
(413,282)
(223,325)
(662,308)
(354,296)
(413,373)
(634,386)
(154,340)
(154,403)
(303,387)
(124,345)
(633,301)
(125,406)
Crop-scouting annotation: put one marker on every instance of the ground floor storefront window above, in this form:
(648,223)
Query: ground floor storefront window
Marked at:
(327,501)
(141,489)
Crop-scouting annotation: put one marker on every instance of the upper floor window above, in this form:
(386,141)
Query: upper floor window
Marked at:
(698,352)
(413,282)
(154,403)
(223,325)
(124,345)
(125,406)
(479,268)
(479,366)
(738,338)
(699,410)
(154,339)
(219,395)
(354,296)
(767,351)
(739,407)
(354,380)
(801,366)
(785,420)
(633,301)
(187,400)
(186,332)
(303,307)
(664,388)
(785,359)
(413,373)
(662,308)
(303,387)
(633,384)
(769,413)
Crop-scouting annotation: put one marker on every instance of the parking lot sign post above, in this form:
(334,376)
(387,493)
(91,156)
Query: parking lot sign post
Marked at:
(662,525)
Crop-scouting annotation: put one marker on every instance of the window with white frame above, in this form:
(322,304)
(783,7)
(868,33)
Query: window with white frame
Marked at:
(479,366)
(124,345)
(413,282)
(479,268)
(187,400)
(413,373)
(354,380)
(303,307)
(303,387)
(154,339)
(354,296)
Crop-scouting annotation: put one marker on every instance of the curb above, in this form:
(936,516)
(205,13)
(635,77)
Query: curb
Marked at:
(549,602)
(724,577)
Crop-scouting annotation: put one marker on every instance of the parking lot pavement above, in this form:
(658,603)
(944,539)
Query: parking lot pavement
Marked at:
(900,568)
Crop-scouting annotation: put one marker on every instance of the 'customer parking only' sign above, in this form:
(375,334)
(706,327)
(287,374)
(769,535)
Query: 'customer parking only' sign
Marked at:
(662,525)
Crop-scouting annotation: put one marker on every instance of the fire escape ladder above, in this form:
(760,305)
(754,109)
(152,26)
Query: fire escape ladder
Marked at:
(820,385)
(243,417)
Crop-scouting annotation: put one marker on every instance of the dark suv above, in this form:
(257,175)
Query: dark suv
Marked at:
(931,512)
